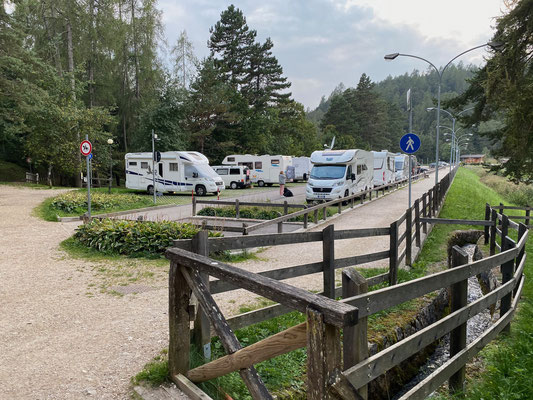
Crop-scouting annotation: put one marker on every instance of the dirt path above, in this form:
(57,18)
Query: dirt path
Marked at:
(62,338)
(58,338)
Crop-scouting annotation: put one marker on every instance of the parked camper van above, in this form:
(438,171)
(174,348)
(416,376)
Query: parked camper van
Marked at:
(178,171)
(383,167)
(401,166)
(264,170)
(300,170)
(339,173)
(234,176)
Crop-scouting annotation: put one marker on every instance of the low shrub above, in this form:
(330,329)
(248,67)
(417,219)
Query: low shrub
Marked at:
(253,213)
(134,237)
(76,202)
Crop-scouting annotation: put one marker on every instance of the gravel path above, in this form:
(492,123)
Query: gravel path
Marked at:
(56,341)
(60,339)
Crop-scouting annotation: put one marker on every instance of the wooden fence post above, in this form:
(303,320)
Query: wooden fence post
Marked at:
(425,212)
(323,354)
(328,261)
(487,218)
(492,239)
(459,299)
(527,215)
(522,229)
(355,340)
(325,213)
(417,223)
(408,235)
(285,207)
(393,254)
(237,209)
(179,295)
(306,220)
(280,227)
(430,210)
(193,206)
(507,270)
(202,327)
(340,207)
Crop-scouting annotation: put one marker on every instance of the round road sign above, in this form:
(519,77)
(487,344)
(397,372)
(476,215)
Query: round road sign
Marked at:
(410,143)
(86,147)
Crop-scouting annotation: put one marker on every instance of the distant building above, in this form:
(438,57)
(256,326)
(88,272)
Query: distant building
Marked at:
(473,158)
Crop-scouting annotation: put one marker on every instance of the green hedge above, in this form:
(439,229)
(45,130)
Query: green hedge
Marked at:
(254,213)
(77,201)
(134,237)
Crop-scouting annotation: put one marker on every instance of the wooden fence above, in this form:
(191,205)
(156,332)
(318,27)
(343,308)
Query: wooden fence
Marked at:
(329,372)
(313,213)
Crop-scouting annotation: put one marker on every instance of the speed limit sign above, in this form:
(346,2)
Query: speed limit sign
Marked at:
(86,147)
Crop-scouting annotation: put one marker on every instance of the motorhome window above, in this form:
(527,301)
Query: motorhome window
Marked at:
(328,171)
(173,166)
(365,167)
(399,165)
(247,164)
(234,171)
(275,162)
(378,163)
(222,171)
(160,169)
(132,163)
(259,165)
(349,173)
(231,159)
(144,164)
(200,171)
(359,169)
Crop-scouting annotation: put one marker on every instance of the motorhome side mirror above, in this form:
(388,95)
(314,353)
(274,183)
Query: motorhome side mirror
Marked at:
(195,174)
(353,177)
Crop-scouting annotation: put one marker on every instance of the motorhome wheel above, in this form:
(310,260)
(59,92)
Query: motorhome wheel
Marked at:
(233,185)
(150,190)
(200,190)
(261,183)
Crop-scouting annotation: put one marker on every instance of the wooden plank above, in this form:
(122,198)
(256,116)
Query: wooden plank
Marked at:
(402,218)
(335,313)
(502,207)
(219,228)
(179,321)
(507,270)
(379,363)
(280,274)
(418,239)
(323,354)
(376,280)
(273,346)
(189,388)
(248,203)
(245,242)
(456,221)
(424,212)
(402,237)
(202,330)
(364,258)
(401,256)
(393,254)
(328,261)
(355,338)
(492,239)
(487,218)
(229,341)
(382,299)
(458,300)
(441,374)
(361,233)
(253,317)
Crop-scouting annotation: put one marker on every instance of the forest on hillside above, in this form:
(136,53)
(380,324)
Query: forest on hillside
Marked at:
(74,68)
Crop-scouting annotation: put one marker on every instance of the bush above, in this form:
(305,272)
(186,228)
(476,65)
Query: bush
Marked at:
(134,237)
(253,213)
(73,202)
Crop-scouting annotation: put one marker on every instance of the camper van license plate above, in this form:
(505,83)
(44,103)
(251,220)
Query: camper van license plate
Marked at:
(321,196)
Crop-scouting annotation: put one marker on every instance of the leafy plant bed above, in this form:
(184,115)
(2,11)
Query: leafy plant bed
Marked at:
(148,238)
(75,202)
(265,213)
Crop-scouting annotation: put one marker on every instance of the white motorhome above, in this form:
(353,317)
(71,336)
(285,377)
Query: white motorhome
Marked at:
(264,170)
(234,176)
(383,167)
(300,170)
(177,171)
(339,173)
(401,166)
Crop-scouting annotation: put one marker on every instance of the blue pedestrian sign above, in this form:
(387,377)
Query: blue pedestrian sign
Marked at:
(410,143)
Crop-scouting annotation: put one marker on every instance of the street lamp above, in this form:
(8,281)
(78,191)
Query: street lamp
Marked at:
(393,56)
(110,143)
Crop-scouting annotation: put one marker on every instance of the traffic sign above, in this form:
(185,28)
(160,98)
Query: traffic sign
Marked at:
(86,148)
(410,143)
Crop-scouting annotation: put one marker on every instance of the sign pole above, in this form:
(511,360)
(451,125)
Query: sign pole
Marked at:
(410,169)
(410,108)
(153,164)
(88,182)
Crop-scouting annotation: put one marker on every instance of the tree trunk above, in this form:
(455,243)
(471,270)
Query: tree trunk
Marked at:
(70,54)
(136,52)
(125,83)
(90,64)
(49,176)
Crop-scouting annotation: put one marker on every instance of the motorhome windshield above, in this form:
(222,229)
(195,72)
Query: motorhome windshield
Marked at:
(203,171)
(328,171)
(399,165)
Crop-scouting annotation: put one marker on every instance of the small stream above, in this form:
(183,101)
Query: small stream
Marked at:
(475,327)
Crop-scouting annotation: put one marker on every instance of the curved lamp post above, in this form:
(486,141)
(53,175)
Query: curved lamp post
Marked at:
(393,56)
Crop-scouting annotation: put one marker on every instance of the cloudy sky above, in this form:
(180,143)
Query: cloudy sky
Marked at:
(320,43)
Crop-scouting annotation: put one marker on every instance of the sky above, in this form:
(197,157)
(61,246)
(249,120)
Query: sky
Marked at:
(321,43)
